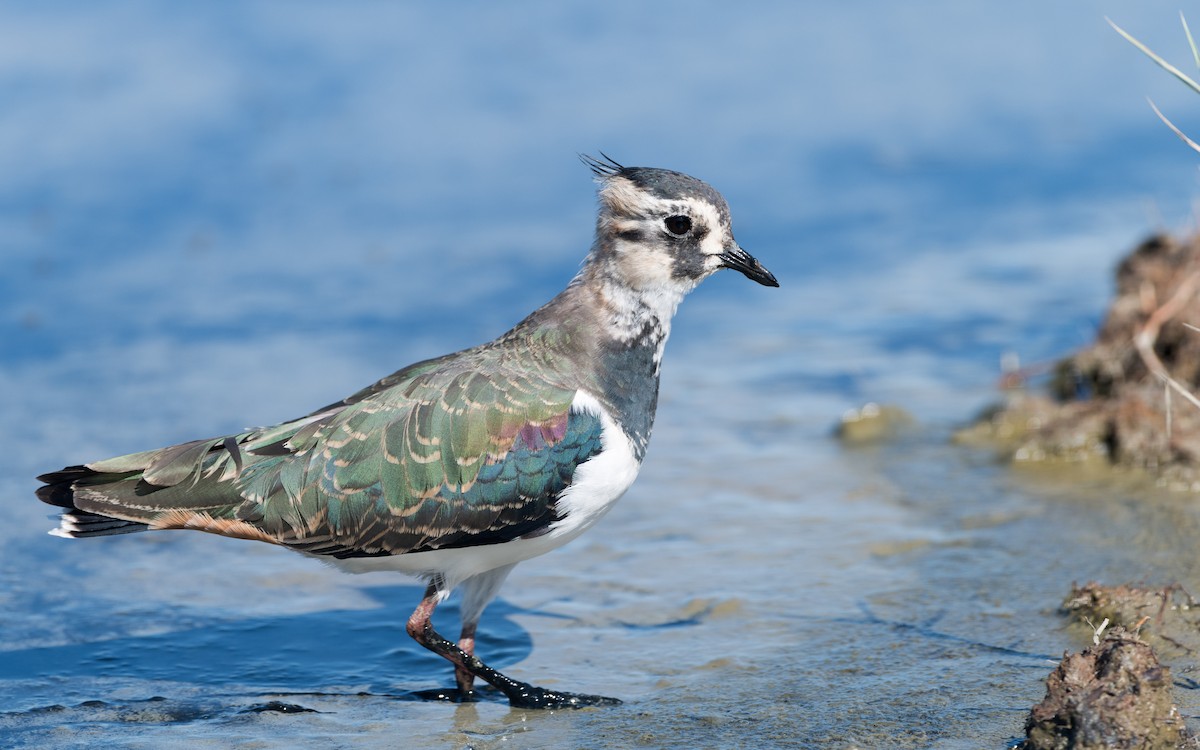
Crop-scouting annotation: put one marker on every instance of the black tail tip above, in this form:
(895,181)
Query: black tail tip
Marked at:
(59,487)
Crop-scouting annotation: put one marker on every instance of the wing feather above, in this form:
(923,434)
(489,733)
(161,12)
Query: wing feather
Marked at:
(451,452)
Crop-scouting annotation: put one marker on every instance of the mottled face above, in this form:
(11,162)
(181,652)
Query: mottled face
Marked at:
(666,229)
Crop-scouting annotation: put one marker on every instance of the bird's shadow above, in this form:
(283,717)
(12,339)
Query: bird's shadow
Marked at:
(363,649)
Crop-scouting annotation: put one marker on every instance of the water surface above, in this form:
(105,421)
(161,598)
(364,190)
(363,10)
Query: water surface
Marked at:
(227,215)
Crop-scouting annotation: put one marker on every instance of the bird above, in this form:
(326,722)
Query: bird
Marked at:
(455,469)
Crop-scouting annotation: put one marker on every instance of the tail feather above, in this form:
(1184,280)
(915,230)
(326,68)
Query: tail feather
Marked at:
(59,488)
(74,523)
(79,524)
(113,496)
(135,492)
(191,485)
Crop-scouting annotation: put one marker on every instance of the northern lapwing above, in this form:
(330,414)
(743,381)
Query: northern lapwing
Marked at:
(455,469)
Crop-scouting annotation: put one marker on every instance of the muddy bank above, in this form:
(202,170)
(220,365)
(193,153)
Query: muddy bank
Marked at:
(1115,694)
(1125,400)
(1167,617)
(1123,403)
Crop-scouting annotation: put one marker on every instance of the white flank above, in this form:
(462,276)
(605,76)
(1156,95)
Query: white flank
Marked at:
(598,483)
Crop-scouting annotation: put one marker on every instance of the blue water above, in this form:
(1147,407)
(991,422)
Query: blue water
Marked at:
(225,214)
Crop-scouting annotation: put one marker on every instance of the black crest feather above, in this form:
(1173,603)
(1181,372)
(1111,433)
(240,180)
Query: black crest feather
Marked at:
(605,166)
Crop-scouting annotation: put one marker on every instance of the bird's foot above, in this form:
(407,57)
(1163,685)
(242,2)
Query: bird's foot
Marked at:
(520,695)
(524,695)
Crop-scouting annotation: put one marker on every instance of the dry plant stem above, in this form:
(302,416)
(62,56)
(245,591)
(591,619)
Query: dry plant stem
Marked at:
(1195,146)
(1170,410)
(1157,59)
(1191,42)
(1144,340)
(1170,69)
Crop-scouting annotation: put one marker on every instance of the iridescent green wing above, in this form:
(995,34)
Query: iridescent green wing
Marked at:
(455,456)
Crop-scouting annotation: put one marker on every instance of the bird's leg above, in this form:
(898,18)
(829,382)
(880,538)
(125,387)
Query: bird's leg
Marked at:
(519,694)
(466,643)
(477,591)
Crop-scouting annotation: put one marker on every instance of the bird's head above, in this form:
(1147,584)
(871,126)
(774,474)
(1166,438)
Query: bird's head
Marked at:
(659,228)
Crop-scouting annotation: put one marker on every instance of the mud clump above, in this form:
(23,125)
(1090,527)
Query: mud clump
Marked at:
(1115,694)
(873,423)
(1110,403)
(1167,618)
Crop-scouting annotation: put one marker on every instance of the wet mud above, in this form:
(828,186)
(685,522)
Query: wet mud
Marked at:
(1115,694)
(1166,618)
(1121,408)
(1126,400)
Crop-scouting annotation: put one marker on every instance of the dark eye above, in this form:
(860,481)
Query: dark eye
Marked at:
(678,225)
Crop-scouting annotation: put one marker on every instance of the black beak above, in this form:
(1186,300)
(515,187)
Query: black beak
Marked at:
(740,260)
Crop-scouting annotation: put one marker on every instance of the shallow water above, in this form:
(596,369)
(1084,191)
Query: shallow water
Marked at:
(204,230)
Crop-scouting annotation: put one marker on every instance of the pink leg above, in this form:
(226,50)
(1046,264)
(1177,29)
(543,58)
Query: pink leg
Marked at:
(519,694)
(466,642)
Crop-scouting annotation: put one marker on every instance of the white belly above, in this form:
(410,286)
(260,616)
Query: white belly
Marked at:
(598,483)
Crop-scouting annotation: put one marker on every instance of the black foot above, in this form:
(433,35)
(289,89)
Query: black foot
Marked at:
(524,695)
(519,694)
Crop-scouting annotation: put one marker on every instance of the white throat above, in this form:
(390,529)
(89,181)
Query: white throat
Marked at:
(636,313)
